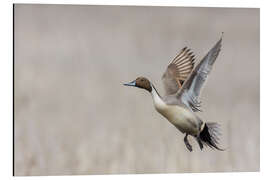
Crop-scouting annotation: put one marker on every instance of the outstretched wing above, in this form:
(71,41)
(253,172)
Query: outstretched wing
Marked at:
(177,71)
(190,92)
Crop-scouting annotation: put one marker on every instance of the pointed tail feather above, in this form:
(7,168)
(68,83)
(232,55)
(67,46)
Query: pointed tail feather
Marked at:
(210,135)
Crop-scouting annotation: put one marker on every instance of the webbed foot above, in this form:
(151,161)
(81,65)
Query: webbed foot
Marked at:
(200,143)
(189,147)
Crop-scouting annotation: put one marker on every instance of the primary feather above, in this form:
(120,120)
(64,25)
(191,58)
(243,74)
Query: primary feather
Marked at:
(177,71)
(190,92)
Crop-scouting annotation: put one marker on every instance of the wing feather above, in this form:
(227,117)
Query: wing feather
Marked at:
(190,92)
(178,70)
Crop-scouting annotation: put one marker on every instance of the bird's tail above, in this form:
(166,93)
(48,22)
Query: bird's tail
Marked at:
(210,136)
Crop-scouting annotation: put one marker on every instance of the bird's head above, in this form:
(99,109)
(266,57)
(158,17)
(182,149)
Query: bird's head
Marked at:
(141,82)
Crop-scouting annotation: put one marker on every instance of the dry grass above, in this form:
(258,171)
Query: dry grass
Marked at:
(73,116)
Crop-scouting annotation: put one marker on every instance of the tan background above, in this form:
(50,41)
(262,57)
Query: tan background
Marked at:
(74,116)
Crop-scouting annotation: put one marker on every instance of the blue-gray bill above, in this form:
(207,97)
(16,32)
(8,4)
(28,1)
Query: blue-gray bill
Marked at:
(133,83)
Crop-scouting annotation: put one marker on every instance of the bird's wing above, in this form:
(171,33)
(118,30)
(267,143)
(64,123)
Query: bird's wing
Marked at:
(190,92)
(177,71)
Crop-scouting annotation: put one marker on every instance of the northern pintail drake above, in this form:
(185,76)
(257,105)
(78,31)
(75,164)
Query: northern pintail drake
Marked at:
(183,84)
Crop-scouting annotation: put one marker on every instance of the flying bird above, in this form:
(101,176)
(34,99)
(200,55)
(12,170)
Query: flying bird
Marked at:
(183,82)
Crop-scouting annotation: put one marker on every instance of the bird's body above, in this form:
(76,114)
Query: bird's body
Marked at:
(183,84)
(185,120)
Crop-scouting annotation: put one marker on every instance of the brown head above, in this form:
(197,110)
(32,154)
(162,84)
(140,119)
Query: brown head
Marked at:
(141,82)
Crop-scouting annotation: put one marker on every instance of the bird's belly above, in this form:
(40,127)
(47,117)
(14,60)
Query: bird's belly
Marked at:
(182,118)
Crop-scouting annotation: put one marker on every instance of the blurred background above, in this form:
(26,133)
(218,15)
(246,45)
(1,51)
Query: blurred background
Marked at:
(74,116)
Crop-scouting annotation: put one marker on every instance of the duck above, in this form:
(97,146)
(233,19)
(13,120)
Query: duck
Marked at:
(183,83)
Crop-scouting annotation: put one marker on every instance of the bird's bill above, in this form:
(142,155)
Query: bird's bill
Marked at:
(133,83)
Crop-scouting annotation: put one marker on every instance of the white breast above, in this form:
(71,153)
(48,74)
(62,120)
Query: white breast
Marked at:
(181,117)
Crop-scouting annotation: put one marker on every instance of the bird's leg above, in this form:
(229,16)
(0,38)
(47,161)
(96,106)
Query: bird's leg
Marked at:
(189,147)
(200,143)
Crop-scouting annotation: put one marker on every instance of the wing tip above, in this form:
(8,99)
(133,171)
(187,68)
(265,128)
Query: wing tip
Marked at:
(218,45)
(183,55)
(221,37)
